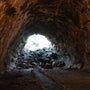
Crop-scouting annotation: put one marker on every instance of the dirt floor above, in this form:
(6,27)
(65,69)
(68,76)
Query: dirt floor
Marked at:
(20,80)
(45,79)
(69,79)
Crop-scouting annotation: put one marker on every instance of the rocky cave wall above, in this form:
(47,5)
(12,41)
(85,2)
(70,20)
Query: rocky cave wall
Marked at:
(68,21)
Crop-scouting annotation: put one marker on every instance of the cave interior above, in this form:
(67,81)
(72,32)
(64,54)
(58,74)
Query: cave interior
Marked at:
(63,61)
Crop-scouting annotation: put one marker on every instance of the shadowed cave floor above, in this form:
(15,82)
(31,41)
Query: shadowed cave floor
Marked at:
(45,79)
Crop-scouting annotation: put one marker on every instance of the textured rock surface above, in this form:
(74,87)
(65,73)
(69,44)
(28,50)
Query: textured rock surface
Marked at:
(66,22)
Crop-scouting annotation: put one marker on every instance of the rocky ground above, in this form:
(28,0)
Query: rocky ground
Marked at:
(43,58)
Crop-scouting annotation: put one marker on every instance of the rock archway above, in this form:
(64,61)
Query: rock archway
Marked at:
(65,22)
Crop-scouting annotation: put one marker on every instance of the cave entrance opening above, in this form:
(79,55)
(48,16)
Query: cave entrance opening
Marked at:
(38,52)
(36,42)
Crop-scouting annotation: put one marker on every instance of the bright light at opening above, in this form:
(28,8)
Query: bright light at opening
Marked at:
(36,42)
